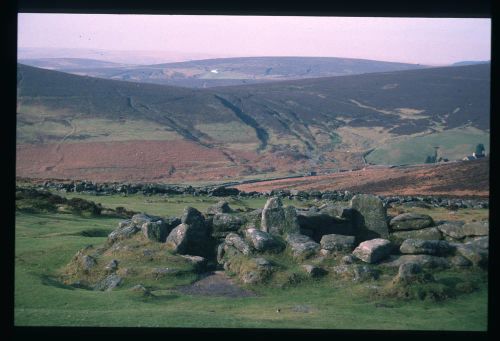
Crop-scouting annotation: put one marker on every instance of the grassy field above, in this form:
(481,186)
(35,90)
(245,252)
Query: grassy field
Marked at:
(45,243)
(453,144)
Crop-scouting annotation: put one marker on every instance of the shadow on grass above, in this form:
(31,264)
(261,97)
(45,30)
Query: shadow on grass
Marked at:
(53,282)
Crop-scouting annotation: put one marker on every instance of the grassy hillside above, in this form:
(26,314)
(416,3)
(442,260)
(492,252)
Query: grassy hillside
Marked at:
(222,71)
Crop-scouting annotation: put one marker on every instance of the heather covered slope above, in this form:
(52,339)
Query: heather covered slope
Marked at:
(275,129)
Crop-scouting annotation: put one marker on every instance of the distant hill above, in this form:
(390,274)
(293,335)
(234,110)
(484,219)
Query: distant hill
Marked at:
(224,71)
(278,128)
(463,63)
(62,64)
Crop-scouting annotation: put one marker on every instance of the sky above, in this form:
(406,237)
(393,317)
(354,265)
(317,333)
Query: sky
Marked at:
(429,41)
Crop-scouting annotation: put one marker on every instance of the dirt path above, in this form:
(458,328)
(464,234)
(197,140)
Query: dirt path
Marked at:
(216,284)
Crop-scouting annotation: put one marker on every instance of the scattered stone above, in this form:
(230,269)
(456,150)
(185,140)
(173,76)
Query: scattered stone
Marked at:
(411,221)
(409,273)
(302,246)
(108,283)
(372,251)
(234,240)
(198,262)
(370,216)
(141,218)
(429,247)
(140,288)
(300,308)
(313,271)
(160,272)
(262,241)
(465,230)
(357,272)
(337,242)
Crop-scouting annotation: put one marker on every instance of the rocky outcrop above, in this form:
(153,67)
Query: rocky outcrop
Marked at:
(373,251)
(411,221)
(370,216)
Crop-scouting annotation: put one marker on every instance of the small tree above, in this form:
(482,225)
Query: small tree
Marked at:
(480,149)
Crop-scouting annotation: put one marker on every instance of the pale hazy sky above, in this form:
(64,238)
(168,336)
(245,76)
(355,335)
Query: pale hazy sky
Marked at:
(431,41)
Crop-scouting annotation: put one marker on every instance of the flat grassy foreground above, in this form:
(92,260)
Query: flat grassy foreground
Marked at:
(46,242)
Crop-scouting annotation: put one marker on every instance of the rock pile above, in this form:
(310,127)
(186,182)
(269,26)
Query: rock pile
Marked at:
(360,237)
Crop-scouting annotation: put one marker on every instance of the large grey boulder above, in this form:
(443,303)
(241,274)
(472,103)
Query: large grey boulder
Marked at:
(191,236)
(108,283)
(425,261)
(427,247)
(370,216)
(192,216)
(278,220)
(234,240)
(221,207)
(302,246)
(430,233)
(337,242)
(409,273)
(456,231)
(475,251)
(224,222)
(155,230)
(373,251)
(411,221)
(262,241)
(273,215)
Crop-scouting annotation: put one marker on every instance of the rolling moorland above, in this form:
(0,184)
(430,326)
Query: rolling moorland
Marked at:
(108,130)
(220,72)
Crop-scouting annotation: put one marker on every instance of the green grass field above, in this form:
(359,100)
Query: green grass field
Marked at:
(453,144)
(45,243)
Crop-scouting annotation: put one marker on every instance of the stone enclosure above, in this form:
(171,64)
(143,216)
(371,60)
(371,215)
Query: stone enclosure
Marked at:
(360,237)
